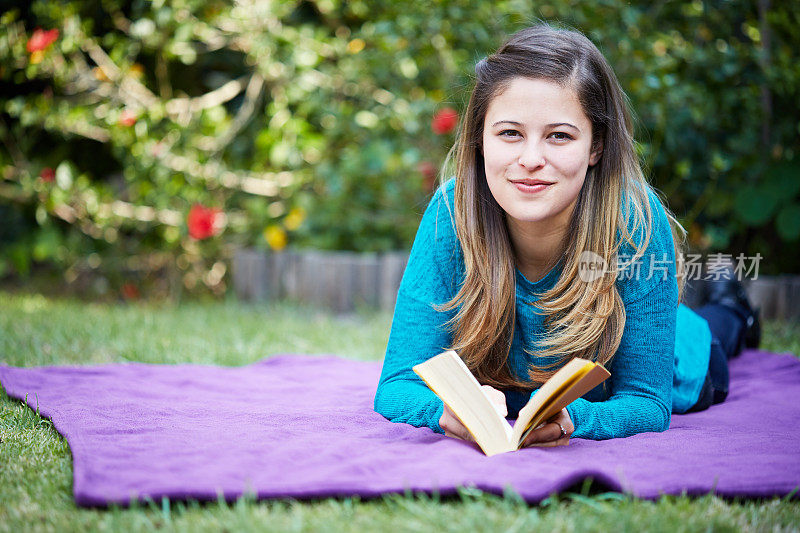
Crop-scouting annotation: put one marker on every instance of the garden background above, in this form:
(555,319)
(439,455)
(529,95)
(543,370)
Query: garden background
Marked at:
(144,142)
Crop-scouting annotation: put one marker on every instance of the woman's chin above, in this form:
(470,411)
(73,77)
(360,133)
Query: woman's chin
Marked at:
(528,217)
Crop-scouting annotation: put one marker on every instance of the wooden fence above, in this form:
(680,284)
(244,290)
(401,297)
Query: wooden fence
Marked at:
(340,281)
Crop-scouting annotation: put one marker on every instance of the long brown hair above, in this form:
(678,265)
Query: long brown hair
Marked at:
(583,318)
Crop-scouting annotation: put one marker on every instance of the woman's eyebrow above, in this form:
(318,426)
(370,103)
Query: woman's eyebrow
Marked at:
(548,126)
(513,123)
(557,124)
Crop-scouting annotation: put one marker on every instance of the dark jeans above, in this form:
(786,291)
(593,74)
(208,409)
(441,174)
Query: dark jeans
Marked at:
(727,330)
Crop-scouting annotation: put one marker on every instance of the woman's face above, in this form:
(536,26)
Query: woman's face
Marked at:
(537,149)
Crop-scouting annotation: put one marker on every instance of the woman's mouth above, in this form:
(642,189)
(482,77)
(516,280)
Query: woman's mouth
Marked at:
(531,186)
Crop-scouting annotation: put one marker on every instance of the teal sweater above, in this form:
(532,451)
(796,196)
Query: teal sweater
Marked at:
(638,396)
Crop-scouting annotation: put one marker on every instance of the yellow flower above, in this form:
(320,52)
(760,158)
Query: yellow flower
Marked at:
(136,71)
(36,57)
(275,237)
(356,45)
(294,218)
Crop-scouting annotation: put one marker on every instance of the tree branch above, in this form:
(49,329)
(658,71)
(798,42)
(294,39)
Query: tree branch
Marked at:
(143,96)
(264,184)
(179,106)
(162,75)
(243,116)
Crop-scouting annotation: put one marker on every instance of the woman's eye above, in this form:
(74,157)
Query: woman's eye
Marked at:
(561,136)
(509,133)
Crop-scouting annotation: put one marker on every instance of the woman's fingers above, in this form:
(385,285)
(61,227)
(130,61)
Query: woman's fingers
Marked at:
(452,426)
(545,434)
(550,434)
(498,399)
(564,441)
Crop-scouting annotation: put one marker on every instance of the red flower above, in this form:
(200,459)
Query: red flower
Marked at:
(202,222)
(428,171)
(444,121)
(48,175)
(130,291)
(41,39)
(127,118)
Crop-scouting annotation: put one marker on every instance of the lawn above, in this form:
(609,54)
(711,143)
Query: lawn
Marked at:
(36,467)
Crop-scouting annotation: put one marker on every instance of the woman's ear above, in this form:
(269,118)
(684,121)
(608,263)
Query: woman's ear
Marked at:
(597,151)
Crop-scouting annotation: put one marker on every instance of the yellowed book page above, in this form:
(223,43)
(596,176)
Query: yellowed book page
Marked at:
(450,379)
(593,378)
(596,375)
(551,389)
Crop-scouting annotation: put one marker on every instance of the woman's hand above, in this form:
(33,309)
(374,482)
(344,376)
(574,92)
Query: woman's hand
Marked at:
(549,433)
(453,427)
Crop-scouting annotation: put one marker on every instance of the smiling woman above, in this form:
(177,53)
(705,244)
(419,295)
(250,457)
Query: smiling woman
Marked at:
(546,176)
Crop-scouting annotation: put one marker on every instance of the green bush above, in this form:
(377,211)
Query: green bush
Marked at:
(309,123)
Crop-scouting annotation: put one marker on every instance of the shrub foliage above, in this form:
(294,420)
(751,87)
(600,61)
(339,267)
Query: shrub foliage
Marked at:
(145,135)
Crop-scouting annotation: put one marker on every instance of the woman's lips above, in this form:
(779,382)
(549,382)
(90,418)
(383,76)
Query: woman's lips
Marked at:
(531,186)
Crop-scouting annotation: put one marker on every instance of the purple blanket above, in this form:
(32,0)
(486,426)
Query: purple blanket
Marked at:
(303,427)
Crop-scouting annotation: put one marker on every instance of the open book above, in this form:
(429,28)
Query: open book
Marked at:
(448,376)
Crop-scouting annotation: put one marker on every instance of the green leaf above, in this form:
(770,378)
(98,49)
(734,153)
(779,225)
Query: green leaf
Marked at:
(46,244)
(788,222)
(720,236)
(755,205)
(782,180)
(20,258)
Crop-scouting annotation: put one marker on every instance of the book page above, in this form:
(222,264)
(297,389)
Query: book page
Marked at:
(552,392)
(593,378)
(450,379)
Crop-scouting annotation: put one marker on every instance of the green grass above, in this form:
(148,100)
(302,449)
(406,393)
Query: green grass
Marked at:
(36,467)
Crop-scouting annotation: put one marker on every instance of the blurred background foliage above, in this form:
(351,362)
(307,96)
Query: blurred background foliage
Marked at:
(143,141)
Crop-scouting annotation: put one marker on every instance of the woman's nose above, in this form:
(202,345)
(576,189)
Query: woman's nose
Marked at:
(532,156)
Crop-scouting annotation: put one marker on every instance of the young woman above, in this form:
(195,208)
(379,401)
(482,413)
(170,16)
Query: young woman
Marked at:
(546,183)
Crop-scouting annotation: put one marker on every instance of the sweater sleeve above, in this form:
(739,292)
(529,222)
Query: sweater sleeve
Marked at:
(418,330)
(639,397)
